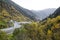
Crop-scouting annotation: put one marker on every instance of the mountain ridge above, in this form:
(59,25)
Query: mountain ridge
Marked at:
(44,13)
(16,11)
(24,11)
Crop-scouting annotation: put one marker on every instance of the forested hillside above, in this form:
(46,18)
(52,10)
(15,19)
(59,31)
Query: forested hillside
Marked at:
(9,12)
(47,29)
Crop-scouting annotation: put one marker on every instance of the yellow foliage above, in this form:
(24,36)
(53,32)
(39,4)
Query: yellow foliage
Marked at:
(49,32)
(58,17)
(57,26)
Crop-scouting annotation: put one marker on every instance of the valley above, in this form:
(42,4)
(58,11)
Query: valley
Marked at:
(18,23)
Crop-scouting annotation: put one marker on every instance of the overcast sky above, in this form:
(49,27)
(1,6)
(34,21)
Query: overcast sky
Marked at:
(38,4)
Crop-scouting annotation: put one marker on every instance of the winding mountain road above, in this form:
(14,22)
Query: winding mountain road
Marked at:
(11,29)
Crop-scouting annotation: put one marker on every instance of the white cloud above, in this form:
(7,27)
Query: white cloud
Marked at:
(38,4)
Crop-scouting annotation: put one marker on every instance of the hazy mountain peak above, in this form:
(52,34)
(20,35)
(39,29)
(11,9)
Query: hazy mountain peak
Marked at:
(44,13)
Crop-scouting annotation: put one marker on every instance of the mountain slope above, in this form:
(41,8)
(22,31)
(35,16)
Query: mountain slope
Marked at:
(7,13)
(12,11)
(56,13)
(23,11)
(47,30)
(44,13)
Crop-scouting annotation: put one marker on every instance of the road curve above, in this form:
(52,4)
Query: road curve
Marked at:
(11,29)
